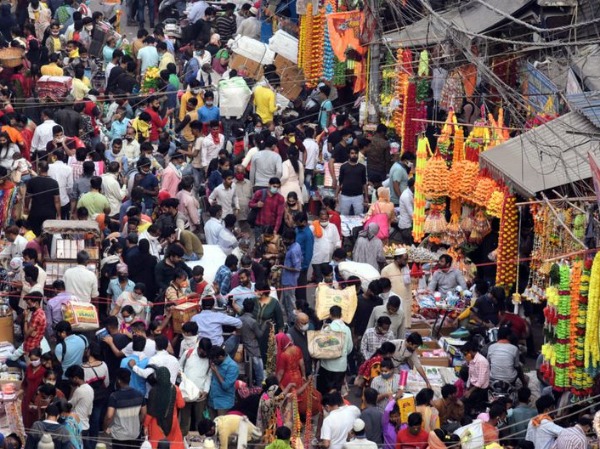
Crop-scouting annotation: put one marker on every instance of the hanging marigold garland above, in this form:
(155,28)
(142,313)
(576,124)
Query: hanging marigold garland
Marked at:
(506,273)
(296,440)
(305,42)
(423,153)
(404,60)
(315,69)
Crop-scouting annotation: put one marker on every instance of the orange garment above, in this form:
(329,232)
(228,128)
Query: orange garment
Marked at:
(344,32)
(14,135)
(490,433)
(468,73)
(155,433)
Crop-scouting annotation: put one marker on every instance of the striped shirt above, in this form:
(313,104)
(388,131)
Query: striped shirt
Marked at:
(572,438)
(127,403)
(479,372)
(226,27)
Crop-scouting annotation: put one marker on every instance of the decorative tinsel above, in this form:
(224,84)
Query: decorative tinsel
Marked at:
(308,421)
(271,353)
(328,57)
(297,424)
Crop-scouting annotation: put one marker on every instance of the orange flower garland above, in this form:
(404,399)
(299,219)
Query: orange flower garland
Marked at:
(456,171)
(507,253)
(404,58)
(423,152)
(305,62)
(576,271)
(469,172)
(483,190)
(318,41)
(435,178)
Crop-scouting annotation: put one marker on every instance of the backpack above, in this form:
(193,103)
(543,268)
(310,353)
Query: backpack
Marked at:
(101,393)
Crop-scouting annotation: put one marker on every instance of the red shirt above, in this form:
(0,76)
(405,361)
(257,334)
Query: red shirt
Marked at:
(271,214)
(406,440)
(38,323)
(157,124)
(517,324)
(334,217)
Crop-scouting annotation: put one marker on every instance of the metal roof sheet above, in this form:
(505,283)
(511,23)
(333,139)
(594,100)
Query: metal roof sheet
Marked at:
(587,65)
(551,155)
(588,104)
(473,17)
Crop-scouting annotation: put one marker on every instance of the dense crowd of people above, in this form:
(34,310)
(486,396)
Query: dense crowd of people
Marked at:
(164,175)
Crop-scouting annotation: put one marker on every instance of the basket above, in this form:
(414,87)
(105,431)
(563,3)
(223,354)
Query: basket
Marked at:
(11,57)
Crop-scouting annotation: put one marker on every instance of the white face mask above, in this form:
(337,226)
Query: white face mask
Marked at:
(51,382)
(36,363)
(190,337)
(129,319)
(304,327)
(385,296)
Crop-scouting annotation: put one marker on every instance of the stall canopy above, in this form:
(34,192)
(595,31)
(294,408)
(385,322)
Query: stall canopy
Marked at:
(475,16)
(588,104)
(551,155)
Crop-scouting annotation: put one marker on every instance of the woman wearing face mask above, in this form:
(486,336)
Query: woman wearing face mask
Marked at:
(136,300)
(126,319)
(292,206)
(292,178)
(386,384)
(327,239)
(34,374)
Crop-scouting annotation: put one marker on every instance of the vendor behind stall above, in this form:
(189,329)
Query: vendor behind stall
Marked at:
(406,354)
(446,278)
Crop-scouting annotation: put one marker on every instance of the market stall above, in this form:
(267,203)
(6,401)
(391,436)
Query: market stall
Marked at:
(70,237)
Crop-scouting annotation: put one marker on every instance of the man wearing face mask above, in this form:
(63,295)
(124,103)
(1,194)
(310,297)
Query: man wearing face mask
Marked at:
(212,143)
(158,123)
(35,322)
(172,175)
(352,189)
(399,174)
(299,337)
(265,164)
(243,190)
(445,277)
(271,204)
(196,367)
(406,354)
(375,336)
(326,240)
(398,273)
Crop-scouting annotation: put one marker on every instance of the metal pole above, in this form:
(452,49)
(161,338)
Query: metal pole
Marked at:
(374,63)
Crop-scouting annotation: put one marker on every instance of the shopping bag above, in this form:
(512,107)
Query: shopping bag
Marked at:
(325,344)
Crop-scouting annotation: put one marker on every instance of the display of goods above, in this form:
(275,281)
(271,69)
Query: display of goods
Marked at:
(494,205)
(444,141)
(507,253)
(423,152)
(579,226)
(150,81)
(592,345)
(403,69)
(454,234)
(499,134)
(469,171)
(315,70)
(423,73)
(54,87)
(478,139)
(484,188)
(436,223)
(328,56)
(435,178)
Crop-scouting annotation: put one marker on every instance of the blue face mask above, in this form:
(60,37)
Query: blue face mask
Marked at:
(387,375)
(349,140)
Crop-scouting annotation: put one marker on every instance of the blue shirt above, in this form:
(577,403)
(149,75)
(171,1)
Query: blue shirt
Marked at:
(114,289)
(222,395)
(207,115)
(118,128)
(293,259)
(74,346)
(306,240)
(171,93)
(210,325)
(223,279)
(241,293)
(112,157)
(137,382)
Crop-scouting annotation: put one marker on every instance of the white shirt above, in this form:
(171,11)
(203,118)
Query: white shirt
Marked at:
(544,435)
(227,241)
(323,248)
(81,282)
(249,27)
(149,350)
(160,359)
(63,174)
(312,153)
(360,443)
(226,198)
(338,424)
(210,149)
(113,191)
(131,150)
(155,246)
(406,209)
(14,249)
(83,404)
(42,135)
(196,369)
(212,228)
